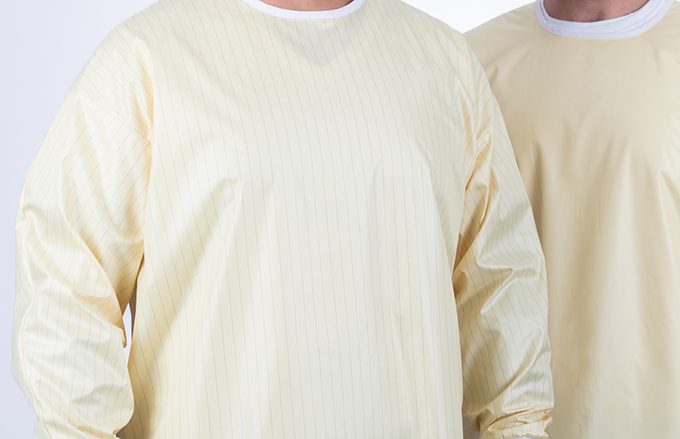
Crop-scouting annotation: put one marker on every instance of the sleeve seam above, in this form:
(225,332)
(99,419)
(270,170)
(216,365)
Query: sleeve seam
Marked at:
(81,92)
(473,99)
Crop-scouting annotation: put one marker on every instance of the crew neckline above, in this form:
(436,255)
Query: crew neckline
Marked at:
(626,26)
(308,15)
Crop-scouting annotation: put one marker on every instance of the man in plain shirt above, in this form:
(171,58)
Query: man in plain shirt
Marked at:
(590,91)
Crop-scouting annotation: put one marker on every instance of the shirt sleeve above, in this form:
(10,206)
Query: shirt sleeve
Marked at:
(79,247)
(500,285)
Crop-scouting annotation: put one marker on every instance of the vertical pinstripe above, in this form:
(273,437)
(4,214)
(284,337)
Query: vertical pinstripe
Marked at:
(319,226)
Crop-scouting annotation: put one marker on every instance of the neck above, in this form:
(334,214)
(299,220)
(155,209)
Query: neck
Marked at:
(590,10)
(308,5)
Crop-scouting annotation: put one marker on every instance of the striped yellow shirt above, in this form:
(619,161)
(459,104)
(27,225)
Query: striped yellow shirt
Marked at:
(316,219)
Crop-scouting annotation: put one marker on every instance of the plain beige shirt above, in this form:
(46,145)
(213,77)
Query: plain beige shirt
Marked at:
(595,125)
(317,221)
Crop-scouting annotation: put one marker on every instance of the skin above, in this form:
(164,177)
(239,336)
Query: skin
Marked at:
(590,10)
(308,5)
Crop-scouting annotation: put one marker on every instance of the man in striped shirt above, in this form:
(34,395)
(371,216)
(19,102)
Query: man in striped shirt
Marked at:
(313,211)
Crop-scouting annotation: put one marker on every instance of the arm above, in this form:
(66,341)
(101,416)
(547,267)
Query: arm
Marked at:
(79,247)
(500,285)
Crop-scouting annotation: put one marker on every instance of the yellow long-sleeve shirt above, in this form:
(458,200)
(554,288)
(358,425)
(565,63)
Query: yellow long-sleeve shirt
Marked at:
(316,218)
(593,112)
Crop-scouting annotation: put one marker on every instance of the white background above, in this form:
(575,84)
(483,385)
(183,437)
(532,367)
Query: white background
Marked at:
(43,46)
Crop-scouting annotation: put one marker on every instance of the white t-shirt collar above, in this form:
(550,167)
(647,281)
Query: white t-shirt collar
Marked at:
(295,14)
(626,26)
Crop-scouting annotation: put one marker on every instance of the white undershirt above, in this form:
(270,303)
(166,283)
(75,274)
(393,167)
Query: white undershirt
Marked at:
(295,14)
(625,26)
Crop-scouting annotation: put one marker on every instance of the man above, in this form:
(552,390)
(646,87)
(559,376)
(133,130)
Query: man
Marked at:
(590,91)
(314,211)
